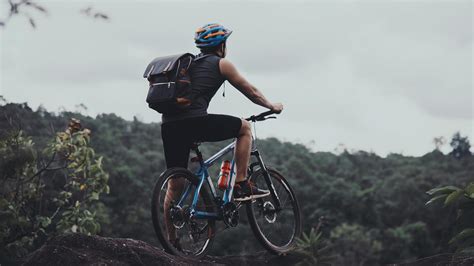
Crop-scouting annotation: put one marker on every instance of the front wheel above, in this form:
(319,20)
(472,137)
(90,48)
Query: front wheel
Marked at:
(275,225)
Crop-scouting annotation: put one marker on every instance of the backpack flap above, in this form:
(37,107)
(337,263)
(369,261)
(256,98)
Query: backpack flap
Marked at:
(162,65)
(168,83)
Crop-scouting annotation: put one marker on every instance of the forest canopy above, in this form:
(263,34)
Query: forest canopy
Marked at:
(373,207)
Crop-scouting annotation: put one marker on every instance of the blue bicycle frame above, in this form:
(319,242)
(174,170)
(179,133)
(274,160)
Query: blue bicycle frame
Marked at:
(204,176)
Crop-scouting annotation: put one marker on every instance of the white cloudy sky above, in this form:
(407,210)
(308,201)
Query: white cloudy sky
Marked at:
(380,76)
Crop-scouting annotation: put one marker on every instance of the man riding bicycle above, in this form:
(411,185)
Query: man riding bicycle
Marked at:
(179,131)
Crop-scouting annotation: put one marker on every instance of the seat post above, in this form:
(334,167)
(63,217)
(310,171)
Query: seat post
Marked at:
(198,158)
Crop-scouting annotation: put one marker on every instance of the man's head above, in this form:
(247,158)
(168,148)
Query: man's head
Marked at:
(211,38)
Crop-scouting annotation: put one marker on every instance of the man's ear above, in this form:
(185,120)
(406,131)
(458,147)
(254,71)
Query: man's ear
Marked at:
(223,51)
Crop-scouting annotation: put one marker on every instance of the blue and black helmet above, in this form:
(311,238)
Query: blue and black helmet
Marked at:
(211,35)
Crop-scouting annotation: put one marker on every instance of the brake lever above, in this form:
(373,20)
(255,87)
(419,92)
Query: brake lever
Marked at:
(265,118)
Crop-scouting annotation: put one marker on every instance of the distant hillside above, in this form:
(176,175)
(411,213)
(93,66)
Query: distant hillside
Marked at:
(374,206)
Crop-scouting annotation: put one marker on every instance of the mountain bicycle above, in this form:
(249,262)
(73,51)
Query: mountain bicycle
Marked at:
(184,217)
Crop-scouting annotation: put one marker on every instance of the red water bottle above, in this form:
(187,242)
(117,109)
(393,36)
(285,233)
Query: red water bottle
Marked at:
(224,175)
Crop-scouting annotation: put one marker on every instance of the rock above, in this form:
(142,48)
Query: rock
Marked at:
(79,249)
(445,259)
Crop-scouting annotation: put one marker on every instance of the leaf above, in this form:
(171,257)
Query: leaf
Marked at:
(300,242)
(466,233)
(435,199)
(87,10)
(32,23)
(453,196)
(94,196)
(99,161)
(317,237)
(38,7)
(45,222)
(444,190)
(467,247)
(101,15)
(470,189)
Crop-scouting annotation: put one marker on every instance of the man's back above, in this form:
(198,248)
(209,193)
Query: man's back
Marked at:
(206,79)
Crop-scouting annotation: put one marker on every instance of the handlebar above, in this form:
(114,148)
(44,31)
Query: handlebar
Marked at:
(261,117)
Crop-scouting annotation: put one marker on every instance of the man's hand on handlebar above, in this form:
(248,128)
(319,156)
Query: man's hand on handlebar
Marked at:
(277,108)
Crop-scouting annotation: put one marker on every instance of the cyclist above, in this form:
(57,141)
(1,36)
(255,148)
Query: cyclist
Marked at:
(179,131)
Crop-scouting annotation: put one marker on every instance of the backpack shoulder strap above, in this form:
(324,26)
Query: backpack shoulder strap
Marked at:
(201,56)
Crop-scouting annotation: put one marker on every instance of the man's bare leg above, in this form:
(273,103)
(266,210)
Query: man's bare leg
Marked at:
(175,188)
(242,150)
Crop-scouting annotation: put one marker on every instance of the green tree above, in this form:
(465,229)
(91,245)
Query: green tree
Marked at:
(356,245)
(380,199)
(460,146)
(44,197)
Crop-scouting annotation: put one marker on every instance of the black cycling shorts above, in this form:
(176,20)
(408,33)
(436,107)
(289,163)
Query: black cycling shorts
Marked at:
(178,136)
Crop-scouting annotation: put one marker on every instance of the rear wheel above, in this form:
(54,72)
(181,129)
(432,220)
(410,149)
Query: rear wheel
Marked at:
(275,227)
(172,197)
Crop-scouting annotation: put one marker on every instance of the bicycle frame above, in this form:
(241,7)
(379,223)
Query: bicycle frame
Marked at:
(204,176)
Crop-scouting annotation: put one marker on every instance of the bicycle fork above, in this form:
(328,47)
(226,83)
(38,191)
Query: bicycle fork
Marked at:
(267,178)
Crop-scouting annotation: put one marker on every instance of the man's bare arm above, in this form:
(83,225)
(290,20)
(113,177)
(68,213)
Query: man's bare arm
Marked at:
(229,71)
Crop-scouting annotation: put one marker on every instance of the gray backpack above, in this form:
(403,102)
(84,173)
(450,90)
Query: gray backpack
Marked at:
(170,83)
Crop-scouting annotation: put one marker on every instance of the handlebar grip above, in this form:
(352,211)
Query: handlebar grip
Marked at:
(267,113)
(260,117)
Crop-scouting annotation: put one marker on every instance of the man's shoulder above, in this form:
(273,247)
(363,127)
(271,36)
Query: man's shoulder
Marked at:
(226,67)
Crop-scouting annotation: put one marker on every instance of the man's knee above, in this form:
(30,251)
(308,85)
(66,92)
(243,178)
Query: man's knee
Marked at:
(245,129)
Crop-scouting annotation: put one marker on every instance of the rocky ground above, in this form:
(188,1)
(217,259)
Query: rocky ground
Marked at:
(79,249)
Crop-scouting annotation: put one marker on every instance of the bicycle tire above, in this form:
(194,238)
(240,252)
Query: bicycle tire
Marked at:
(253,207)
(158,217)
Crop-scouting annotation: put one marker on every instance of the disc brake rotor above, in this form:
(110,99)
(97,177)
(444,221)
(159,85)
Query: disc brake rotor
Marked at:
(269,212)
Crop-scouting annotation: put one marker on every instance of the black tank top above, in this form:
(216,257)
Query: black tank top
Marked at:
(206,79)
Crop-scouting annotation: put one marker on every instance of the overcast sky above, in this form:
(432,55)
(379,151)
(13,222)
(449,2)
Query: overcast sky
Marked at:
(379,76)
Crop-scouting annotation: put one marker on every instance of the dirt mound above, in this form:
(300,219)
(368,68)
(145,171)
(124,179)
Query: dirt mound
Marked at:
(79,249)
